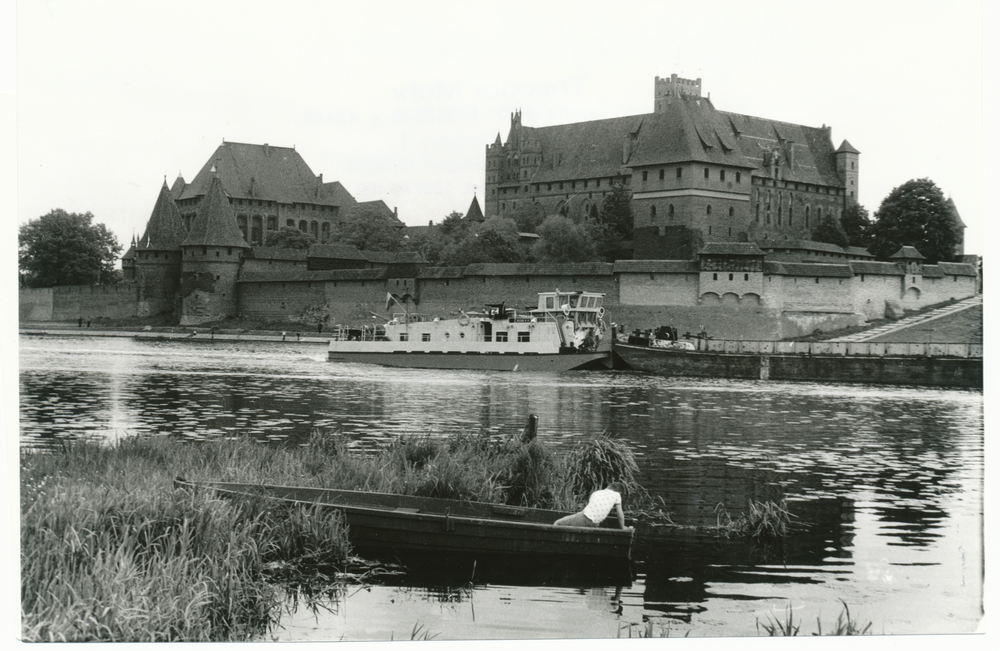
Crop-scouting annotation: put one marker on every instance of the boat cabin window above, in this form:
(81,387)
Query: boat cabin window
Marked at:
(573,300)
(501,336)
(550,302)
(426,336)
(404,336)
(523,337)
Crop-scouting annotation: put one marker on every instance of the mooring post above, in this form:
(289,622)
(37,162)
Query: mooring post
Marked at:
(765,367)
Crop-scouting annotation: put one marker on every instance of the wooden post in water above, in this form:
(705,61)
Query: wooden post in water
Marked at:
(530,429)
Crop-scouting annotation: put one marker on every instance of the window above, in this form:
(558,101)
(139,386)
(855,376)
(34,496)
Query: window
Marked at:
(670,210)
(817,281)
(652,211)
(706,172)
(715,276)
(523,337)
(731,211)
(661,174)
(737,177)
(501,336)
(404,336)
(645,174)
(679,172)
(730,276)
(722,175)
(746,276)
(708,209)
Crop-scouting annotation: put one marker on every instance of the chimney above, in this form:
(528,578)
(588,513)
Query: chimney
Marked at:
(267,149)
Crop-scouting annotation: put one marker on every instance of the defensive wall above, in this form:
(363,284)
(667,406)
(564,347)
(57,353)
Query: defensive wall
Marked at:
(777,301)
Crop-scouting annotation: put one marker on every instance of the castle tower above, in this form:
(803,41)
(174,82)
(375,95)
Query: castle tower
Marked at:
(157,260)
(848,169)
(665,89)
(212,255)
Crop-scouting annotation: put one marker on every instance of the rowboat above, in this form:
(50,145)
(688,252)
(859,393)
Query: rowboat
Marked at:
(407,524)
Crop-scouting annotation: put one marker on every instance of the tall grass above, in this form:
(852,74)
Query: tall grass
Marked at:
(110,552)
(787,626)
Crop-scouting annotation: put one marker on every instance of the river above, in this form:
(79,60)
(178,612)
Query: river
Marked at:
(885,483)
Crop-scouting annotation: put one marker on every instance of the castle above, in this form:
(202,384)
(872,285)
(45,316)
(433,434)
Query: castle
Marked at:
(202,235)
(696,174)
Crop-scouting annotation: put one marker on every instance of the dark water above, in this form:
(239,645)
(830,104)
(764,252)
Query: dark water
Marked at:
(885,483)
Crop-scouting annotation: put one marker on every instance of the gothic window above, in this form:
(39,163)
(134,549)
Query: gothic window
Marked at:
(756,209)
(670,210)
(241,221)
(779,215)
(819,214)
(708,209)
(314,229)
(272,223)
(290,223)
(652,211)
(325,230)
(722,175)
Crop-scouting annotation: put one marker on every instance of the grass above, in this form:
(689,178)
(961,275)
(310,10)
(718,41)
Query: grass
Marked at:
(111,552)
(787,626)
(764,520)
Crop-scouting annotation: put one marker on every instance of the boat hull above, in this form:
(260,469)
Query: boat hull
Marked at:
(410,524)
(922,370)
(477,361)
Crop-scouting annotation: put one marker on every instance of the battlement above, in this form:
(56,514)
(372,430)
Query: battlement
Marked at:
(664,89)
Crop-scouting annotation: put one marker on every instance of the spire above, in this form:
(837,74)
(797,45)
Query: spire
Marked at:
(215,223)
(475,213)
(165,229)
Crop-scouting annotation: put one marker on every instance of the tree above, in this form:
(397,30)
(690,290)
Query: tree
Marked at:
(289,238)
(612,233)
(369,229)
(560,240)
(857,225)
(830,231)
(63,248)
(915,214)
(495,240)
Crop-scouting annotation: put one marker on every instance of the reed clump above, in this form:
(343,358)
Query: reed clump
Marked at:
(764,520)
(787,626)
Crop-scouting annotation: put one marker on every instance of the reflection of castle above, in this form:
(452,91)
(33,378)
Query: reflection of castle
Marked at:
(696,174)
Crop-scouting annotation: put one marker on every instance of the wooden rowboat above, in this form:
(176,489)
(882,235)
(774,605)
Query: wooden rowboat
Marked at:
(407,524)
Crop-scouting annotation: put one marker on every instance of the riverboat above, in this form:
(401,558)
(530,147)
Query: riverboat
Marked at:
(566,331)
(411,524)
(661,352)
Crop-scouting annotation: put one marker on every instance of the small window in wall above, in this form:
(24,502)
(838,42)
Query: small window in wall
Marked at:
(670,210)
(652,211)
(708,209)
(706,172)
(737,177)
(731,211)
(730,276)
(715,276)
(662,172)
(817,281)
(218,254)
(501,336)
(746,276)
(722,175)
(404,336)
(645,175)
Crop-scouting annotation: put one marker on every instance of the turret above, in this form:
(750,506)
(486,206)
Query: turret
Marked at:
(212,254)
(847,168)
(157,263)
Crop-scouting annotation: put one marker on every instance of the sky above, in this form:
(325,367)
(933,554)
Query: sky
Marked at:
(398,100)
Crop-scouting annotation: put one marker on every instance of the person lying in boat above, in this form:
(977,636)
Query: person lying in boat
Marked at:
(600,505)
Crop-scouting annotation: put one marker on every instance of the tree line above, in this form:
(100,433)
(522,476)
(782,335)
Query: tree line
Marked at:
(62,248)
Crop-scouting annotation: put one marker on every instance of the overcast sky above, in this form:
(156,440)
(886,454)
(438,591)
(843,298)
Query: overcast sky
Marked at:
(398,101)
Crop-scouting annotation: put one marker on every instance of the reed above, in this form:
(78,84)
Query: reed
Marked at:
(787,626)
(603,460)
(763,520)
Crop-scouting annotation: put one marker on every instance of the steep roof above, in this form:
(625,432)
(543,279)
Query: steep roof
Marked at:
(954,213)
(265,172)
(846,148)
(165,229)
(475,213)
(215,223)
(688,129)
(907,253)
(957,268)
(376,208)
(178,186)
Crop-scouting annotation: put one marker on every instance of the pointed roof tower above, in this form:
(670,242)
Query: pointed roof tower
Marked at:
(475,213)
(215,223)
(846,148)
(907,253)
(164,230)
(179,185)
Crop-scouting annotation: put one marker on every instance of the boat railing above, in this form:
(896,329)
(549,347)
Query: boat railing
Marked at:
(365,332)
(838,348)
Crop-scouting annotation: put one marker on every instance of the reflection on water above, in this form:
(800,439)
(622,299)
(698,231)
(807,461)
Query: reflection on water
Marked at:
(885,482)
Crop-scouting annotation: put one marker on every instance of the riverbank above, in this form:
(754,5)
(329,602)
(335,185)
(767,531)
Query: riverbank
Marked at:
(112,552)
(172,332)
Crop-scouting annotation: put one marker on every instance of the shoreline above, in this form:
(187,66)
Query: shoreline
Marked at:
(173,333)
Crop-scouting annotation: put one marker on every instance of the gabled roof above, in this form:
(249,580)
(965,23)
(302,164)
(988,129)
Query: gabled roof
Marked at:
(475,213)
(441,272)
(656,266)
(529,269)
(810,269)
(278,253)
(215,223)
(264,172)
(165,229)
(730,248)
(393,257)
(336,252)
(875,268)
(957,268)
(907,253)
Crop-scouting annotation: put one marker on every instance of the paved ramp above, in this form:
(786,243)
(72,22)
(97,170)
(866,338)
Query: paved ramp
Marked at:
(911,321)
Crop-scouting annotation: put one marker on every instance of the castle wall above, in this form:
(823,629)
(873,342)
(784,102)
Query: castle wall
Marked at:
(157,275)
(208,284)
(70,303)
(658,288)
(871,291)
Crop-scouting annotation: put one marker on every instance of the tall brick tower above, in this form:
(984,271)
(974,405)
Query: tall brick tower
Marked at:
(848,169)
(157,258)
(212,255)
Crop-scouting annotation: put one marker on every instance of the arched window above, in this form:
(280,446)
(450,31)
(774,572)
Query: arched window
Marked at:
(290,223)
(670,210)
(304,226)
(708,209)
(819,214)
(652,211)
